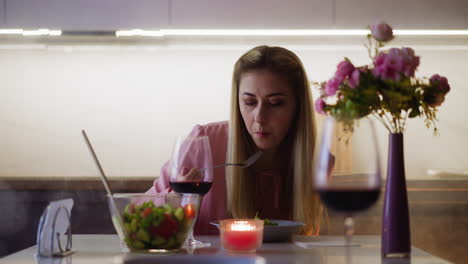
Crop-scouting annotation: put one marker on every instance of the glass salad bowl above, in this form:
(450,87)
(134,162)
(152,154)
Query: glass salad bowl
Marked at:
(153,223)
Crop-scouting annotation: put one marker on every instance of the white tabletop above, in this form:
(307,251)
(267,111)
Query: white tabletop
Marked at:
(106,249)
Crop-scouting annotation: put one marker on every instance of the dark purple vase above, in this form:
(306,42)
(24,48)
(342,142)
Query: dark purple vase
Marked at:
(396,239)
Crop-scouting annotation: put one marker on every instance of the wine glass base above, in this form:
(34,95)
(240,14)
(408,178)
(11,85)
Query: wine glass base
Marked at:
(196,244)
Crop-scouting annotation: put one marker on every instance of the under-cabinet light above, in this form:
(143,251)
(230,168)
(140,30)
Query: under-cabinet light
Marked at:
(38,32)
(240,32)
(257,32)
(430,32)
(138,32)
(42,32)
(282,32)
(11,31)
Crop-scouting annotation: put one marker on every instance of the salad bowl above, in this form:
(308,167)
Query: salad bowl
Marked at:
(157,223)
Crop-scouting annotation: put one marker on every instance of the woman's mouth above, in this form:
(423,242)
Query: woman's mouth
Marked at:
(262,134)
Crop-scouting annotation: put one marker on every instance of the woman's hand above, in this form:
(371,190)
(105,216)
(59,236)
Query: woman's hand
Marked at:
(190,175)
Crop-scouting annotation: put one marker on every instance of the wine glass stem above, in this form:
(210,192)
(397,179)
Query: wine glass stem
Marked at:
(349,228)
(190,236)
(349,231)
(191,240)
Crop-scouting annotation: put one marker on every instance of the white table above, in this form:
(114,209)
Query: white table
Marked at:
(106,249)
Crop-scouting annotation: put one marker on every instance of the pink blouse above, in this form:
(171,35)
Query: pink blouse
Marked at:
(272,200)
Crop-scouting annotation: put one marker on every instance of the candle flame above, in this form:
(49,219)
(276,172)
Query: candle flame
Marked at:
(242,226)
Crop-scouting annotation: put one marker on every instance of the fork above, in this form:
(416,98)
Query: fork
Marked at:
(247,163)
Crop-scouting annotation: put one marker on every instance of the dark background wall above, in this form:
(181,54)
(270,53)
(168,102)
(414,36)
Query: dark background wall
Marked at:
(439,213)
(23,201)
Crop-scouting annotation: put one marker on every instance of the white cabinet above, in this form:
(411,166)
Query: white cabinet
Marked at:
(2,13)
(87,14)
(231,14)
(251,14)
(403,14)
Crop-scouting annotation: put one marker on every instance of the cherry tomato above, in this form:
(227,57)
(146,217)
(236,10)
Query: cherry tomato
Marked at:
(146,212)
(131,208)
(166,229)
(189,211)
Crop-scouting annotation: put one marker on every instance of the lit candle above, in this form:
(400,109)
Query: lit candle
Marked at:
(243,235)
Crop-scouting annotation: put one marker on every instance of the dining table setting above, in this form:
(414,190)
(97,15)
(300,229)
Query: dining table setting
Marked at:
(301,249)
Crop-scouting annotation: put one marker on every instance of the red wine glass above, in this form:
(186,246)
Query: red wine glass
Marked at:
(192,172)
(347,168)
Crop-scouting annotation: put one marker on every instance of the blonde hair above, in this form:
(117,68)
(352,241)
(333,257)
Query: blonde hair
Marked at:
(301,136)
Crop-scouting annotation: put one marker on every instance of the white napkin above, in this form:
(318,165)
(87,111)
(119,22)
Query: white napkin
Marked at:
(328,243)
(45,247)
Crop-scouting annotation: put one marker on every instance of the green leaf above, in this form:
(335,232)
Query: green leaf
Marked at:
(414,113)
(143,235)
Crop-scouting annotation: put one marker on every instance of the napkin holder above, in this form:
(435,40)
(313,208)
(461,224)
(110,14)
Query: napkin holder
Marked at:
(55,227)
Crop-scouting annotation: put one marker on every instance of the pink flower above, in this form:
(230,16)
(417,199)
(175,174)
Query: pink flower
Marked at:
(354,78)
(441,82)
(320,106)
(332,86)
(394,52)
(411,62)
(389,66)
(382,32)
(344,69)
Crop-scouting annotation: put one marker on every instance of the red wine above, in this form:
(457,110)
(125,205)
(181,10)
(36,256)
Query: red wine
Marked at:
(349,200)
(191,187)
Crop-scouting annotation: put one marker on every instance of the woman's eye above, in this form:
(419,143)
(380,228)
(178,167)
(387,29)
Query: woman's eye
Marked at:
(250,103)
(276,103)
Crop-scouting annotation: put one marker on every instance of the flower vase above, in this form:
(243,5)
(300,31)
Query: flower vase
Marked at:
(396,239)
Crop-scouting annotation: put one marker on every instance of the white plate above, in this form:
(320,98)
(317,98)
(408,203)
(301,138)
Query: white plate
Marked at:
(282,232)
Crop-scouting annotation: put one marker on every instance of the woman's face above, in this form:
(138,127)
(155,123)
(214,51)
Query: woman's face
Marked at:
(267,105)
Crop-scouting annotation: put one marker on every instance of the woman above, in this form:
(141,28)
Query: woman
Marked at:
(271,111)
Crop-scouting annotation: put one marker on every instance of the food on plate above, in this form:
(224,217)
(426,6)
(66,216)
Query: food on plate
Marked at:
(266,221)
